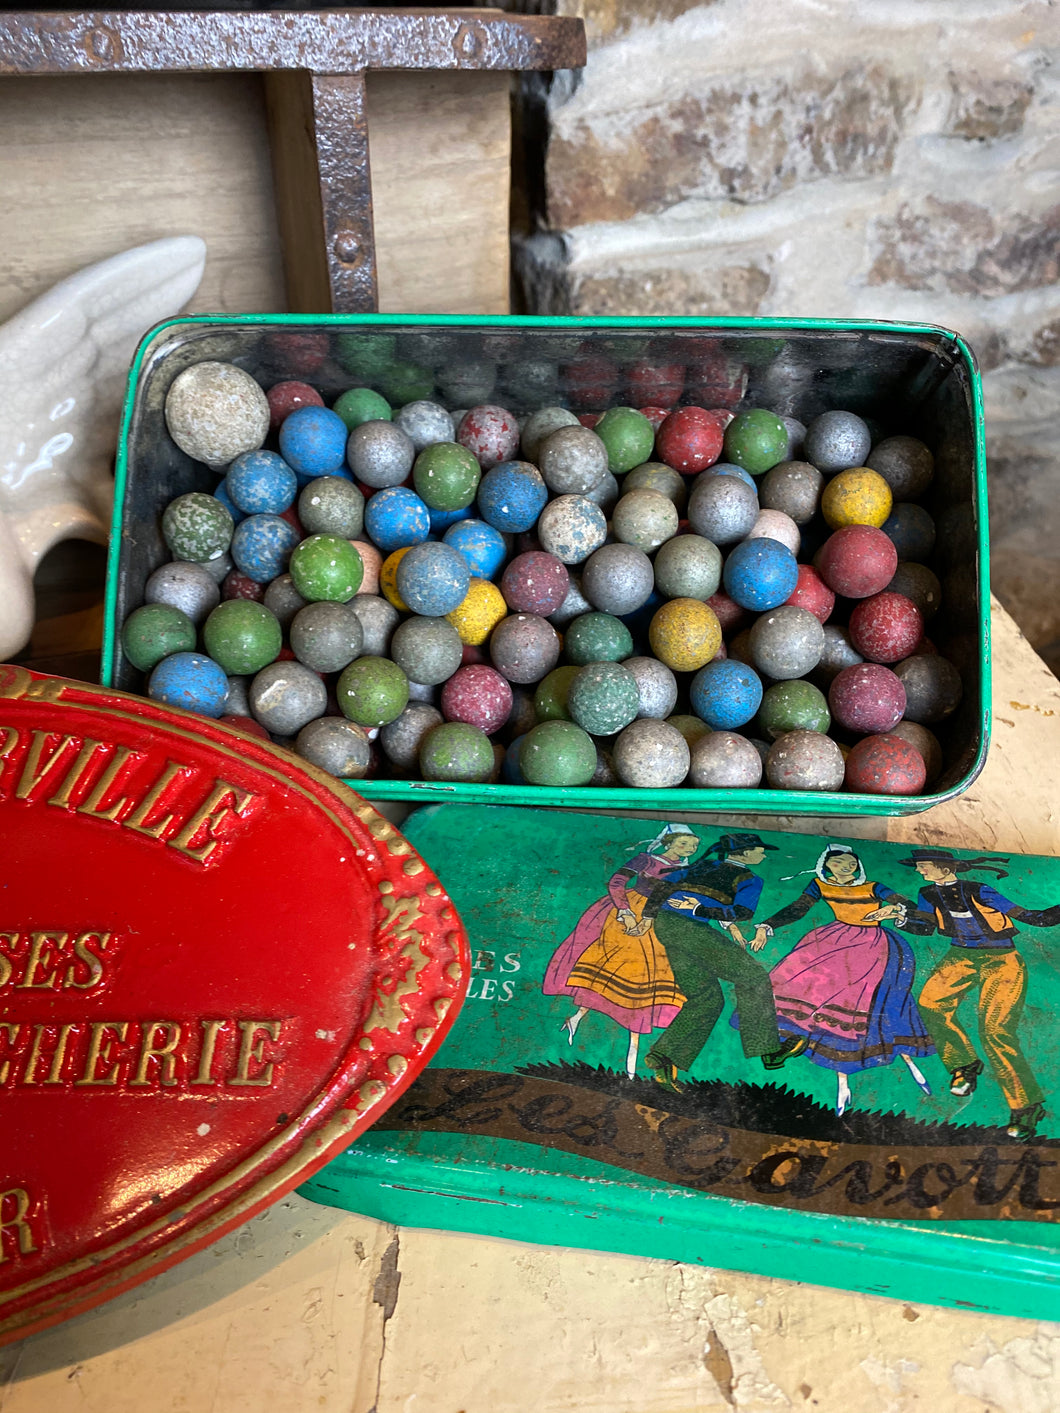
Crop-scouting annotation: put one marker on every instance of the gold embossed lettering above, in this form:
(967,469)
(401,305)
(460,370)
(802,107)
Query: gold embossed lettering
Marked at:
(29,1074)
(12,1035)
(33,771)
(138,819)
(9,739)
(250,1050)
(6,939)
(55,1072)
(210,1030)
(84,953)
(163,1054)
(76,774)
(93,805)
(37,961)
(14,1217)
(222,801)
(98,1038)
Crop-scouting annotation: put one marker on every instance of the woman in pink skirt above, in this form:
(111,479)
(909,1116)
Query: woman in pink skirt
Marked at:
(846,988)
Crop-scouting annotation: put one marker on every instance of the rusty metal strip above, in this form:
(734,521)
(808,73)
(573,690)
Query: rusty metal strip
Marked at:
(33,42)
(341,126)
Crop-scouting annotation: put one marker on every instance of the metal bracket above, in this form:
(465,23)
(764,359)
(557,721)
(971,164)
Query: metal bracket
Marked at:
(315,62)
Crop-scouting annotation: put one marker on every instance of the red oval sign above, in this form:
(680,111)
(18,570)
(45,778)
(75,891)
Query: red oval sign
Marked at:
(217,967)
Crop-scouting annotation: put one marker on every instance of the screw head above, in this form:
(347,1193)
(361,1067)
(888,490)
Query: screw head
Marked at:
(346,246)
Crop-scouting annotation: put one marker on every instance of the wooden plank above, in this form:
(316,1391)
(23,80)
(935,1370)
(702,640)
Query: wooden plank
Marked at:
(440,149)
(92,166)
(299,211)
(106,163)
(111,162)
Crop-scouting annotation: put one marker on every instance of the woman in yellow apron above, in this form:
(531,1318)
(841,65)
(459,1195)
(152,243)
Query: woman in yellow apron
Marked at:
(606,965)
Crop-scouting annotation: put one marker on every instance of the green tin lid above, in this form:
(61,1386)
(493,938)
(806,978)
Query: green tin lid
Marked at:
(857,1094)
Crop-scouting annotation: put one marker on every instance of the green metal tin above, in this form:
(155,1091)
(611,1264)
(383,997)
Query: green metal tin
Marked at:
(531,1125)
(916,377)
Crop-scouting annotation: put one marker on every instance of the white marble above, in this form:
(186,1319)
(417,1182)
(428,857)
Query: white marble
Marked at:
(63,366)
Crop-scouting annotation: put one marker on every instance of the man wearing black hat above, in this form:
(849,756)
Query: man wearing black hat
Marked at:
(978,920)
(719,888)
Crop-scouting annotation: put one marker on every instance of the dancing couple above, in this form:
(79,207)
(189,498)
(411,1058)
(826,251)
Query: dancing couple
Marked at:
(651,955)
(652,952)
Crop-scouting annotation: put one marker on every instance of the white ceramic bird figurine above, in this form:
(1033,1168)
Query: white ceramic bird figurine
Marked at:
(63,365)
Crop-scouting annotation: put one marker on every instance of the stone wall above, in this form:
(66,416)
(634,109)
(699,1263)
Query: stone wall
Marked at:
(892,159)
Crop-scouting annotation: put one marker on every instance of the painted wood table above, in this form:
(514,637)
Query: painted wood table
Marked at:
(310,1308)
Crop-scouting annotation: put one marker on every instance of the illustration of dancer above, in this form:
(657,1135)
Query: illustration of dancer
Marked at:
(719,889)
(844,991)
(610,963)
(978,920)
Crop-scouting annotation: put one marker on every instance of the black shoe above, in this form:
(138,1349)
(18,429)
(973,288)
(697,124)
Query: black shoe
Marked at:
(1023,1123)
(794,1045)
(964,1079)
(664,1073)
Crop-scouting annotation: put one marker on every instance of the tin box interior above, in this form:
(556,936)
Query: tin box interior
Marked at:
(907,379)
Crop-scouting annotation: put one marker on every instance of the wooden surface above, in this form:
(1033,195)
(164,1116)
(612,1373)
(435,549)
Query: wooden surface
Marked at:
(306,1308)
(93,165)
(440,151)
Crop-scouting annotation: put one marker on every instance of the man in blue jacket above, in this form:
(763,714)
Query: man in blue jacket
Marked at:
(692,914)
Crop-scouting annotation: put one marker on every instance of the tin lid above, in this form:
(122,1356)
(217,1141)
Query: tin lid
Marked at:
(597,1092)
(218,966)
